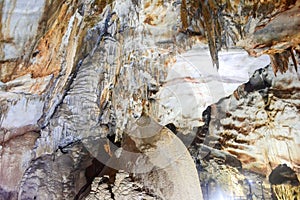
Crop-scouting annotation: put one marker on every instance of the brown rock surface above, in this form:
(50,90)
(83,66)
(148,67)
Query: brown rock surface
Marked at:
(78,77)
(260,127)
(250,133)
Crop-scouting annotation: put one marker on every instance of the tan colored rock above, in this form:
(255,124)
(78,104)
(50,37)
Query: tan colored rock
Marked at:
(85,71)
(19,29)
(284,192)
(15,155)
(260,128)
(173,174)
(158,163)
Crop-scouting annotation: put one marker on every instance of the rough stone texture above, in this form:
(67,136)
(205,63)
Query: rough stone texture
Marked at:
(253,130)
(258,26)
(19,17)
(60,175)
(80,80)
(158,164)
(15,159)
(286,192)
(123,188)
(82,101)
(261,128)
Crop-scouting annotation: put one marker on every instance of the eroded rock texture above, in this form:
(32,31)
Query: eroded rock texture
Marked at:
(254,130)
(118,89)
(96,88)
(258,26)
(261,112)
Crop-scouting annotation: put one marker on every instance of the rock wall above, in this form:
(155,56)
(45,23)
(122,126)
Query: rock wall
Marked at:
(250,133)
(271,129)
(87,89)
(83,83)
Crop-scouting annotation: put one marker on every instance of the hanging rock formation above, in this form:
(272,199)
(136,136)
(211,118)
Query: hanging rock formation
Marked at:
(99,99)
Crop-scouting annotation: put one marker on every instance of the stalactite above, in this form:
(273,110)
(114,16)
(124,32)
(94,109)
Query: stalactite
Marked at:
(223,19)
(96,73)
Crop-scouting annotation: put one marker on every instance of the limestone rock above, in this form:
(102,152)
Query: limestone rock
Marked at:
(256,126)
(123,188)
(19,27)
(77,79)
(259,127)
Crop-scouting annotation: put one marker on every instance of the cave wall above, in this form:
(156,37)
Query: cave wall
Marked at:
(249,135)
(101,80)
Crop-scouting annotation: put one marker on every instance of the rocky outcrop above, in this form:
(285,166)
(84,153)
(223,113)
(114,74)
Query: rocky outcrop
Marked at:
(158,163)
(250,133)
(124,187)
(261,116)
(30,65)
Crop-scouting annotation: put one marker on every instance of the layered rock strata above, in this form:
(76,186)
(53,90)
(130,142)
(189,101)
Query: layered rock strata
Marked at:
(250,133)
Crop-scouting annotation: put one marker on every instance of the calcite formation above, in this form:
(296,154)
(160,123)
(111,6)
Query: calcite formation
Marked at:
(103,99)
(267,127)
(270,27)
(255,129)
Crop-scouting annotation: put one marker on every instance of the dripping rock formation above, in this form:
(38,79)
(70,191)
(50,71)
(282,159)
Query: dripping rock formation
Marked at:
(122,100)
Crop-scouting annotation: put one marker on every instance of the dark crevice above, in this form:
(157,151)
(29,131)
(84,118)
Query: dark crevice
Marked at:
(203,131)
(172,127)
(112,195)
(112,139)
(71,144)
(7,194)
(96,169)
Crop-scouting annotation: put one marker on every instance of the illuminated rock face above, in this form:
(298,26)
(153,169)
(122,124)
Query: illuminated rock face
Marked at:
(259,123)
(87,88)
(254,130)
(19,27)
(82,82)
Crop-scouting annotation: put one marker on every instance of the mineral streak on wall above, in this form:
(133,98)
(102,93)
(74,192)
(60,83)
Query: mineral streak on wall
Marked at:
(103,99)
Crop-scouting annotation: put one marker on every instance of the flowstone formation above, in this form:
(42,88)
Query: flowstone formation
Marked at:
(249,135)
(120,99)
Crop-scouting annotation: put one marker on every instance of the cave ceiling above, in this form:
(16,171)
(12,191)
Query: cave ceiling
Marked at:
(149,99)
